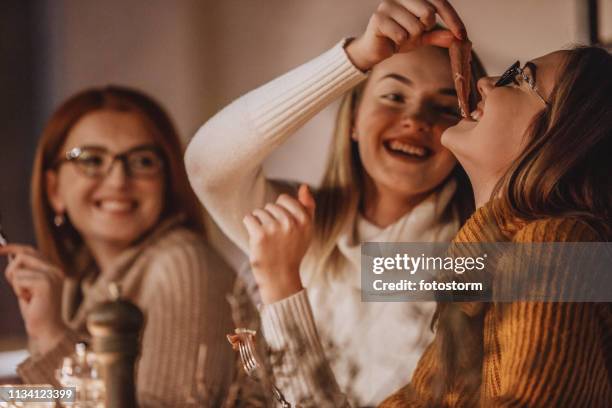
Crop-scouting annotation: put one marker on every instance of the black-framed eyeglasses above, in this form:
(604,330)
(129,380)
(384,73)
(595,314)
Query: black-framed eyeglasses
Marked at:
(95,161)
(511,74)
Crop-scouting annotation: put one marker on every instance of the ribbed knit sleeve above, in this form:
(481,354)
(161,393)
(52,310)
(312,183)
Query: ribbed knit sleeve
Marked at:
(41,369)
(184,356)
(224,159)
(300,367)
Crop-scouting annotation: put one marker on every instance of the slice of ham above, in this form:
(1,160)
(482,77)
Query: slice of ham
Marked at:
(460,58)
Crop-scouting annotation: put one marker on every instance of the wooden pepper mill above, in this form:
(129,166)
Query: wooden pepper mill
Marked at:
(115,329)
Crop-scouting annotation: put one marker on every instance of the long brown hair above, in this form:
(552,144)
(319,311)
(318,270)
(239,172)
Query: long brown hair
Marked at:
(60,244)
(343,183)
(565,168)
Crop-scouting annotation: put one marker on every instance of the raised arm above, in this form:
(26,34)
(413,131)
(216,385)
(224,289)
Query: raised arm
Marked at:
(224,159)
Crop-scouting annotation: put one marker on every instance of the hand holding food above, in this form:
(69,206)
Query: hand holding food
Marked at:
(38,286)
(404,25)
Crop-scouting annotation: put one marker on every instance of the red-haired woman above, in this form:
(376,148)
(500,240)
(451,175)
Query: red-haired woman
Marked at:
(111,203)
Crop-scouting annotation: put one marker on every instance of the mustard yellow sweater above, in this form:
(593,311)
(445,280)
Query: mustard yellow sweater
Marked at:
(519,354)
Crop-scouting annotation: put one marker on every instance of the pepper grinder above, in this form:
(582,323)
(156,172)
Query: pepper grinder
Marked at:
(115,329)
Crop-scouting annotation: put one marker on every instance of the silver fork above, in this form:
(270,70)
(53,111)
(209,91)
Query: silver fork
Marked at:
(250,362)
(4,240)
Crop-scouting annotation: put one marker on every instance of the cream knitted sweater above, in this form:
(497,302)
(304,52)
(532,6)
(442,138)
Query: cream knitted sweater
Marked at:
(180,285)
(371,347)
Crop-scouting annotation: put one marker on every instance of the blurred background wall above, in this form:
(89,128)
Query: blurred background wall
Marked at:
(195,56)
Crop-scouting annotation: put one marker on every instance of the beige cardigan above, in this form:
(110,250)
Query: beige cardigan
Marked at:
(180,285)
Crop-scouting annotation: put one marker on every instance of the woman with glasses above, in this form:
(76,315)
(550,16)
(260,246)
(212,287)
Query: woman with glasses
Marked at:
(537,152)
(388,178)
(111,204)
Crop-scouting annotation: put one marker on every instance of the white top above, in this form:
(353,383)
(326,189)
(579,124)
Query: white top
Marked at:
(372,348)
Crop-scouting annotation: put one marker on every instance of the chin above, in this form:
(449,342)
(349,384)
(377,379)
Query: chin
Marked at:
(458,134)
(412,185)
(120,235)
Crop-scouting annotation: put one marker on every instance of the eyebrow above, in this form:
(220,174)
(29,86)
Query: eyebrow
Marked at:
(89,146)
(398,77)
(407,81)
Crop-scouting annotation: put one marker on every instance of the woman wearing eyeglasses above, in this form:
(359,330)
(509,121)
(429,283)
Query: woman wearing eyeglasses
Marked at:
(111,203)
(537,152)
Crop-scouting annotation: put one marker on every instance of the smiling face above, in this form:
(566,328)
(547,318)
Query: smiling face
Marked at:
(112,210)
(489,142)
(408,101)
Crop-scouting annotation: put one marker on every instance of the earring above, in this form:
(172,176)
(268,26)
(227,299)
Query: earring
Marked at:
(354,135)
(59,220)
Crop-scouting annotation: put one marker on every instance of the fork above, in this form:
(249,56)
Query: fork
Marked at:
(3,240)
(250,363)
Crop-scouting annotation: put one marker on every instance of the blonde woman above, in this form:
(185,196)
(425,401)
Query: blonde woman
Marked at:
(111,203)
(388,179)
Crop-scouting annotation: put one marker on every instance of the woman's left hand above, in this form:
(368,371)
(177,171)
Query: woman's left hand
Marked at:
(279,236)
(38,286)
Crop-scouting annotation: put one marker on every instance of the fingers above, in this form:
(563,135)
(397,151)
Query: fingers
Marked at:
(29,275)
(11,249)
(440,38)
(30,259)
(287,212)
(295,207)
(402,20)
(14,249)
(253,226)
(264,217)
(25,282)
(450,16)
(422,11)
(389,28)
(307,200)
(282,215)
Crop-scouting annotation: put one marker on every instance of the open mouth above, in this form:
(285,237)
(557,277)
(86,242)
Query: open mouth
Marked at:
(405,149)
(476,115)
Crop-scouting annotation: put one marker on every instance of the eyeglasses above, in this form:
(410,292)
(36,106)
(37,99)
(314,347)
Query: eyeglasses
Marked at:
(93,161)
(515,71)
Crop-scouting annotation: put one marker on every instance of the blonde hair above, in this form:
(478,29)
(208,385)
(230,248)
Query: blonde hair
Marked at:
(343,183)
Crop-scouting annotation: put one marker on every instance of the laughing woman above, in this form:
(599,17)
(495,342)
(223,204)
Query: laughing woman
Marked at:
(537,152)
(388,179)
(111,203)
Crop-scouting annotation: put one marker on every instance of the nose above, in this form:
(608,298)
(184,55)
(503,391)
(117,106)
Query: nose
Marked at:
(415,123)
(117,175)
(485,84)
